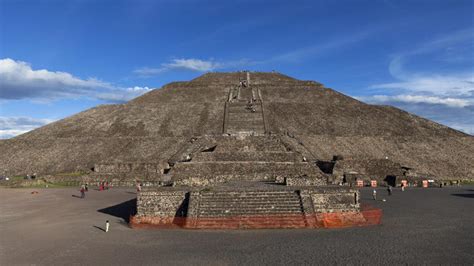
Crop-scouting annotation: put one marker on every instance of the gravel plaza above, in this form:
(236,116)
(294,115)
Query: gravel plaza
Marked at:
(56,227)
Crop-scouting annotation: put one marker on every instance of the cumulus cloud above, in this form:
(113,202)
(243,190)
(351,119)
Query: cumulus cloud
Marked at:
(13,126)
(20,81)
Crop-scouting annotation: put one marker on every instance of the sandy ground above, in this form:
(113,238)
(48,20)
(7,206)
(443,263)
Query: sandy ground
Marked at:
(55,227)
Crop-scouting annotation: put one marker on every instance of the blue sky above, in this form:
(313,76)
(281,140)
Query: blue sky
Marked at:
(62,57)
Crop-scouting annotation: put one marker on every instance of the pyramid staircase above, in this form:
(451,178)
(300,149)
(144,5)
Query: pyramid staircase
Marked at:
(244,111)
(244,151)
(246,209)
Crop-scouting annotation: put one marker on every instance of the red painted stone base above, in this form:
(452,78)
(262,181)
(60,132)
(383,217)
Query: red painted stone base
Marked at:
(365,217)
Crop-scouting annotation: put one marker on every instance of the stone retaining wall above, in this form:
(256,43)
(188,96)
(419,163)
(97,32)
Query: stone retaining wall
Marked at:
(162,203)
(128,167)
(320,208)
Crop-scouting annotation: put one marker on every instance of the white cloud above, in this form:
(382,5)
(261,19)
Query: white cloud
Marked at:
(451,102)
(125,95)
(193,64)
(20,81)
(187,64)
(13,126)
(458,84)
(465,127)
(147,71)
(445,97)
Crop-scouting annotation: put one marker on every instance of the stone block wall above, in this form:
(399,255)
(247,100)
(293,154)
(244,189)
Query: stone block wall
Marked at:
(335,202)
(330,200)
(159,203)
(305,181)
(128,167)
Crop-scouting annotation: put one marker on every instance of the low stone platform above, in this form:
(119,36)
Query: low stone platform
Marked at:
(252,207)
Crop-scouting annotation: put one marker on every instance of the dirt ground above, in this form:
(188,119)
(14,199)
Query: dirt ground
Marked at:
(55,227)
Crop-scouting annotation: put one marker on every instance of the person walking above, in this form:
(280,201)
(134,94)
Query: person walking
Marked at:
(403,187)
(83,192)
(87,187)
(374,194)
(107,225)
(389,189)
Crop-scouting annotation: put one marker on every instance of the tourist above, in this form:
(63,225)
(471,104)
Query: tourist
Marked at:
(83,194)
(374,194)
(389,189)
(107,185)
(107,226)
(403,187)
(87,187)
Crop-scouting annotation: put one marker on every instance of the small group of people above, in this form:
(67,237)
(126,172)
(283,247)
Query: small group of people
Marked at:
(83,190)
(251,106)
(30,177)
(389,191)
(104,185)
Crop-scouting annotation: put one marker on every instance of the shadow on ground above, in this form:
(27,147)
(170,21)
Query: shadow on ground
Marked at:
(122,210)
(100,228)
(464,195)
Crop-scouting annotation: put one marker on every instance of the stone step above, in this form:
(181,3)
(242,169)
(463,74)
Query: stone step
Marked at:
(242,103)
(242,110)
(245,130)
(245,124)
(236,205)
(250,213)
(244,116)
(262,199)
(247,156)
(240,123)
(250,169)
(254,195)
(217,221)
(270,198)
(248,210)
(295,207)
(266,194)
(254,143)
(250,225)
(253,121)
